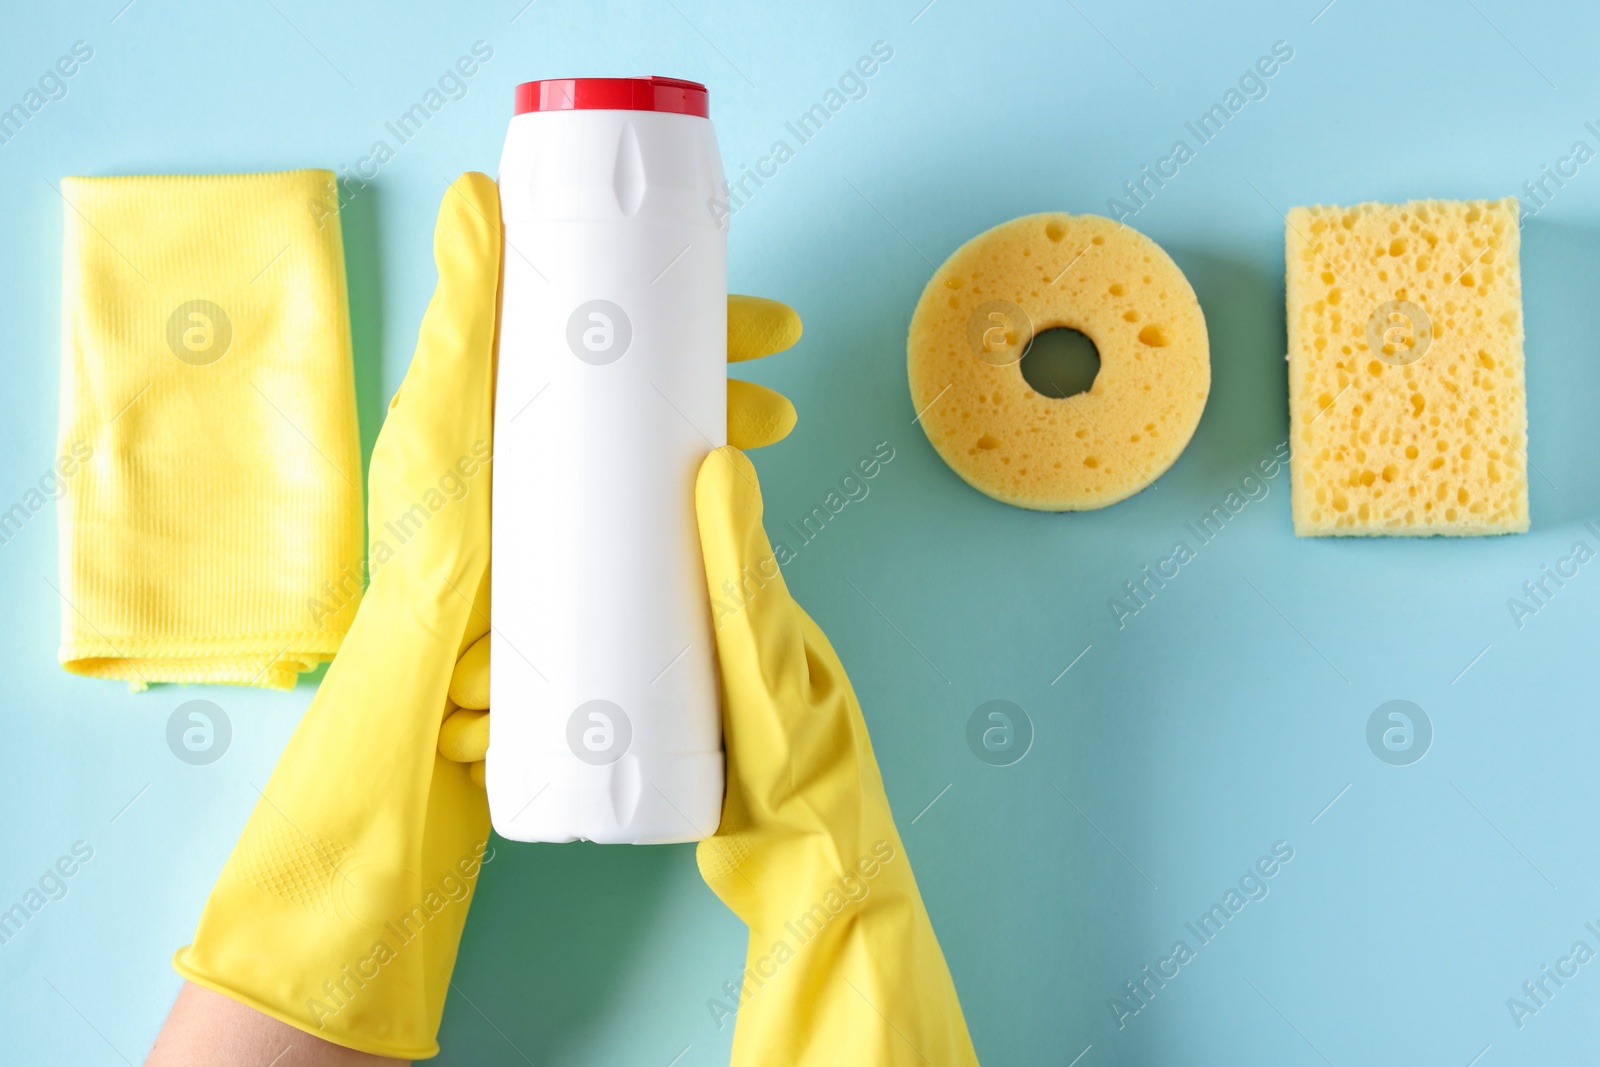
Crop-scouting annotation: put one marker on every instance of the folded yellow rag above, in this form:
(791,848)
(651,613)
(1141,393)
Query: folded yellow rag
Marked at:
(211,524)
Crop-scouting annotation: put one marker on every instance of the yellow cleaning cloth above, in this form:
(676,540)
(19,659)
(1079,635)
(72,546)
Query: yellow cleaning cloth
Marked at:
(211,526)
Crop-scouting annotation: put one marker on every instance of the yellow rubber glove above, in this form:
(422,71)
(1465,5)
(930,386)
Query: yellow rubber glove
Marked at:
(843,966)
(341,907)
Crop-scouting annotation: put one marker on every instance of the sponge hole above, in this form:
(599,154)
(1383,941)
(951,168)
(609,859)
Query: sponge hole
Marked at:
(1155,336)
(1061,362)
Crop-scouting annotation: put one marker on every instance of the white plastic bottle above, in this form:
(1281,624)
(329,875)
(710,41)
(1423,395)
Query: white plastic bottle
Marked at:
(612,389)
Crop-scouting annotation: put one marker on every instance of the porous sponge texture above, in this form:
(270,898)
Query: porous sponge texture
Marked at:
(1402,427)
(1091,274)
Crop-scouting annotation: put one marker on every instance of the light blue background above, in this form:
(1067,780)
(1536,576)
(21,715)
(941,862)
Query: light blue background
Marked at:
(1173,754)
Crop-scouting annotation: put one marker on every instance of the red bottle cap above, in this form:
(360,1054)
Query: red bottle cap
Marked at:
(614,94)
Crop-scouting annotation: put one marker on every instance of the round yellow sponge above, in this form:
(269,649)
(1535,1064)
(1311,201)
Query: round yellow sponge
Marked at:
(981,311)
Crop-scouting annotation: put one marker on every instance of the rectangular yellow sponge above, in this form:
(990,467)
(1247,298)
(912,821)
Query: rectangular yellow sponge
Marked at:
(1407,410)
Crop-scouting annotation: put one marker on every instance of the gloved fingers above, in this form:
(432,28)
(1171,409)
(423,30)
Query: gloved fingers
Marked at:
(757,416)
(457,330)
(761,649)
(469,685)
(752,612)
(759,327)
(464,737)
(475,772)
